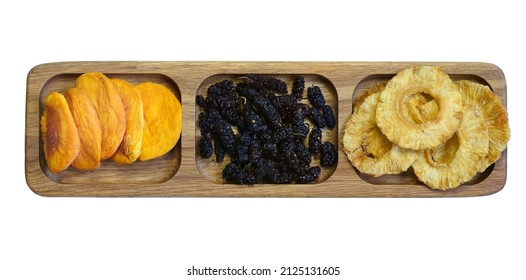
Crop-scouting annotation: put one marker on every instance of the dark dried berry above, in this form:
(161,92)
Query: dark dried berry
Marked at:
(270,150)
(317,118)
(264,106)
(315,96)
(230,171)
(286,105)
(219,150)
(283,134)
(285,178)
(315,140)
(224,133)
(304,179)
(225,87)
(303,153)
(328,115)
(244,141)
(255,152)
(252,120)
(250,178)
(302,110)
(213,114)
(205,147)
(300,131)
(271,83)
(315,172)
(328,154)
(201,101)
(298,85)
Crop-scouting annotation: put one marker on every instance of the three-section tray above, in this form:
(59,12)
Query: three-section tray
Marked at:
(183,173)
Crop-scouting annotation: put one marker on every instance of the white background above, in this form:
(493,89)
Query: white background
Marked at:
(160,238)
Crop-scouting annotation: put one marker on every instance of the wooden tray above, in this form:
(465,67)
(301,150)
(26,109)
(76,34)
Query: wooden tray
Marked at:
(183,173)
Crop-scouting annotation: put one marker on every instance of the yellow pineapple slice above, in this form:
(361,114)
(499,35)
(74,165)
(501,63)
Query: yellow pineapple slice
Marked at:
(368,149)
(457,160)
(494,114)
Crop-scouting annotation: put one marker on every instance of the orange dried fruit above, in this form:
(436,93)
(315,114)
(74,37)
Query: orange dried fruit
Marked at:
(162,120)
(130,147)
(88,127)
(109,107)
(61,143)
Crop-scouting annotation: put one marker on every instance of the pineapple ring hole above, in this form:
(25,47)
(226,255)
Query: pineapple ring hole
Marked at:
(445,153)
(416,110)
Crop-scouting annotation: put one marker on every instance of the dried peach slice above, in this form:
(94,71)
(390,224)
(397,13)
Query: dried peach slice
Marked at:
(88,126)
(109,107)
(130,148)
(162,120)
(60,137)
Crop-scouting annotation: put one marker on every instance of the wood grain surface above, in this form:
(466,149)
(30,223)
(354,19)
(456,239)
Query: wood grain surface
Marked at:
(183,173)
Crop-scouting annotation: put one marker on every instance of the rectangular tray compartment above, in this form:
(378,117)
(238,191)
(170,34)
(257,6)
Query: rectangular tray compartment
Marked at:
(211,170)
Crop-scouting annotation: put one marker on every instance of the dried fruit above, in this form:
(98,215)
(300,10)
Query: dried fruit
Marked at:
(162,120)
(298,85)
(88,127)
(368,149)
(378,87)
(430,134)
(329,156)
(315,96)
(205,147)
(328,115)
(109,107)
(494,114)
(131,145)
(61,143)
(458,159)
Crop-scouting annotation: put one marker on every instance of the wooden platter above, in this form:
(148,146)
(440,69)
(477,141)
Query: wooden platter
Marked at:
(183,173)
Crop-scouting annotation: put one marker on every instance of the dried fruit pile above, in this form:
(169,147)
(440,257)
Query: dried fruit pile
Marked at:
(265,130)
(103,118)
(446,131)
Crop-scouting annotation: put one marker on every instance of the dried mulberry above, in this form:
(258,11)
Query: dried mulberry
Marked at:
(259,82)
(315,96)
(205,147)
(298,85)
(328,115)
(317,118)
(328,154)
(315,140)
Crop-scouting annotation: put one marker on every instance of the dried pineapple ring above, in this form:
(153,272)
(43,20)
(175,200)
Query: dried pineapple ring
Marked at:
(494,114)
(430,134)
(368,149)
(379,87)
(458,160)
